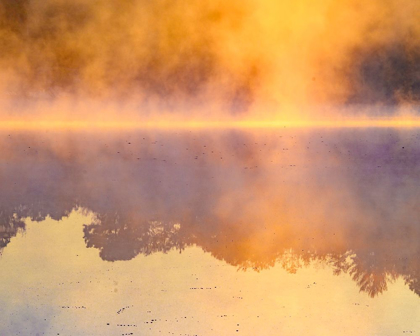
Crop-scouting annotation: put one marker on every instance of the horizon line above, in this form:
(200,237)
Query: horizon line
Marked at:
(210,124)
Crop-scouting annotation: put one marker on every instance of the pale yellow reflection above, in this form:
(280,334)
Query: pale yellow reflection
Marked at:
(62,287)
(274,212)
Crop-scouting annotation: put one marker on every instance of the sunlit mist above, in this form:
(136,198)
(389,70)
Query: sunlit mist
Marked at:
(209,167)
(209,60)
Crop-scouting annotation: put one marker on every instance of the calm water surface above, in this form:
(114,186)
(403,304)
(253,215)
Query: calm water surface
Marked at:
(285,232)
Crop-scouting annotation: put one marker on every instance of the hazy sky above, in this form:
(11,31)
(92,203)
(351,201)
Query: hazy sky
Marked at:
(204,59)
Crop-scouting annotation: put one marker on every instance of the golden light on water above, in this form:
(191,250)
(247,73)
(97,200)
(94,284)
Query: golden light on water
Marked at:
(243,124)
(210,232)
(240,167)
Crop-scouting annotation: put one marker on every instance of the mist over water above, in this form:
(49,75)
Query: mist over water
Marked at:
(348,198)
(208,60)
(110,230)
(209,168)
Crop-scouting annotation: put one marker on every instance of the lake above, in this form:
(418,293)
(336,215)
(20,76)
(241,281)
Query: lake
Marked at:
(287,231)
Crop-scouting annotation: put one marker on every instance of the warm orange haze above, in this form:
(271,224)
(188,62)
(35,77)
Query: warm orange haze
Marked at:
(200,60)
(172,167)
(210,231)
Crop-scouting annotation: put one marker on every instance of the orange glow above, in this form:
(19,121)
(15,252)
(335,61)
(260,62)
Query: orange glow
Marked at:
(242,124)
(248,60)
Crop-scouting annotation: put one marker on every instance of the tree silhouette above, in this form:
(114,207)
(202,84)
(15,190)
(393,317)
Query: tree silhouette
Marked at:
(154,198)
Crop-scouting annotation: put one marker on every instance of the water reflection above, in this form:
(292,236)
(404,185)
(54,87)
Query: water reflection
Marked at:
(347,199)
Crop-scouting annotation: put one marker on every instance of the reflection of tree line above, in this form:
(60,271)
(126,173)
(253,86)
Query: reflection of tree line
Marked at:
(120,236)
(12,219)
(9,227)
(222,205)
(118,239)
